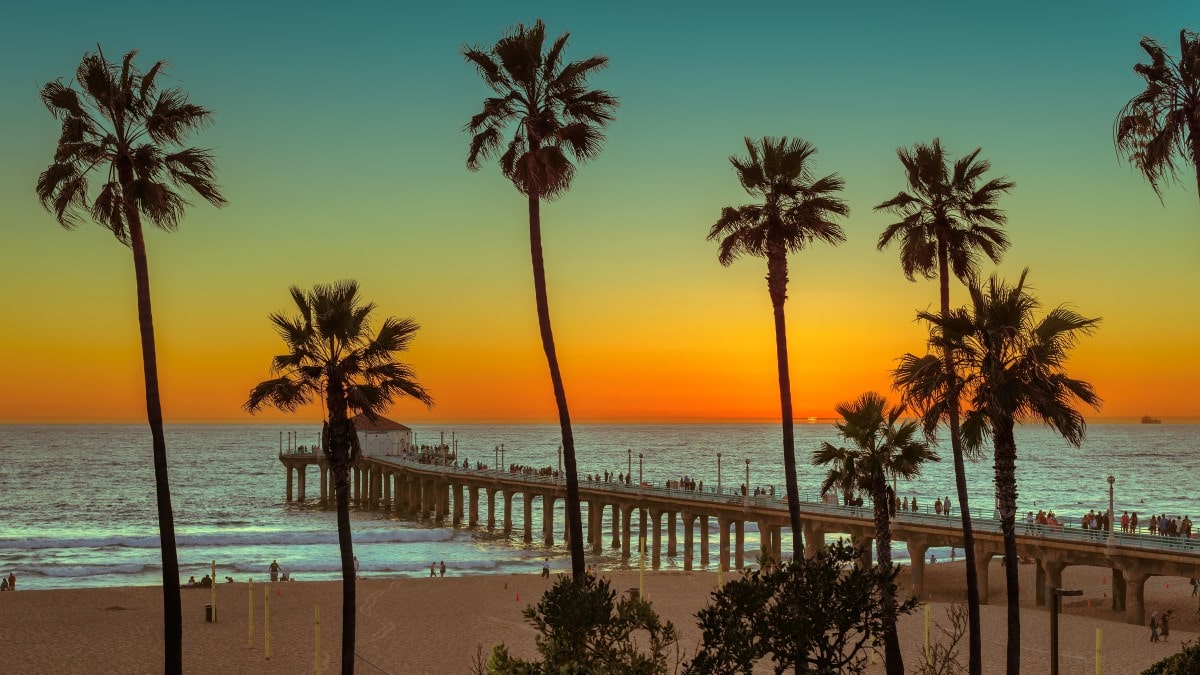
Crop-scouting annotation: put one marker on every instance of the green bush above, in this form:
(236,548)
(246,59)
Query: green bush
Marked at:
(583,629)
(1186,662)
(820,614)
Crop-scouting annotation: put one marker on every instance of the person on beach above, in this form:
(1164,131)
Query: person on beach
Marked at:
(191,581)
(355,567)
(12,581)
(546,569)
(4,584)
(443,568)
(274,570)
(206,582)
(1154,627)
(432,570)
(1164,625)
(1195,586)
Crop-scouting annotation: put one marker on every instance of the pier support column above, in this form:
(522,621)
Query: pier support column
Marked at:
(321,469)
(723,556)
(596,520)
(1118,589)
(548,519)
(1039,585)
(1053,567)
(671,548)
(764,542)
(456,495)
(387,490)
(704,541)
(814,539)
(356,479)
(862,544)
(1135,599)
(302,470)
(491,497)
(508,500)
(777,543)
(656,538)
(642,543)
(473,507)
(739,532)
(439,507)
(626,530)
(916,560)
(983,562)
(616,527)
(288,469)
(689,522)
(528,518)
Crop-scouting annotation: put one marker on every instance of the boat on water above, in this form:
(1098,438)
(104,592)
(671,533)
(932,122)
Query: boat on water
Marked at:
(1151,420)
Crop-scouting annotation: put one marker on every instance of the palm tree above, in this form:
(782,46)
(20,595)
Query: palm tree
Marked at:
(947,219)
(333,356)
(881,451)
(1163,122)
(1010,367)
(792,209)
(553,116)
(118,124)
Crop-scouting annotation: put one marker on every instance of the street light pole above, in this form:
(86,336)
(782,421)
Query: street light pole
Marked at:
(560,475)
(747,481)
(640,455)
(1055,605)
(1112,537)
(718,473)
(629,465)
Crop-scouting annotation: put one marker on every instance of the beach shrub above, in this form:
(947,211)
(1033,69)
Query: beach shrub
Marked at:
(1186,662)
(582,628)
(820,614)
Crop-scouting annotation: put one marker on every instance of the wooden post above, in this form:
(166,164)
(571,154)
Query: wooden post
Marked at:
(267,621)
(250,622)
(214,590)
(317,623)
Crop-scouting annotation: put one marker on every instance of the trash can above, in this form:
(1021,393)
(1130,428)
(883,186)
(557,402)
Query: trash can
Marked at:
(208,614)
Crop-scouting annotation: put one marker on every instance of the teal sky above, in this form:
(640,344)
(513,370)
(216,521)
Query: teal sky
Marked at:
(338,133)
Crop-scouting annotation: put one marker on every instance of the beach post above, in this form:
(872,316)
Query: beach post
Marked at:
(214,590)
(1099,649)
(250,622)
(642,571)
(267,621)
(927,633)
(317,622)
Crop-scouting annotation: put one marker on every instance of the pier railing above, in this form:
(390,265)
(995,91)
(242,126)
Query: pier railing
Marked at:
(982,520)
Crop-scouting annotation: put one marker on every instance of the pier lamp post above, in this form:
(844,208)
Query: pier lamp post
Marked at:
(560,476)
(501,454)
(629,465)
(747,481)
(718,473)
(640,470)
(1112,537)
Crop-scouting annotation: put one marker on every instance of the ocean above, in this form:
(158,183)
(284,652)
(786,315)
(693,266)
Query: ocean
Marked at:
(77,502)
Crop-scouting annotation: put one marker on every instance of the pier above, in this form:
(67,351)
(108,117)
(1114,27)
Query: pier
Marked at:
(453,495)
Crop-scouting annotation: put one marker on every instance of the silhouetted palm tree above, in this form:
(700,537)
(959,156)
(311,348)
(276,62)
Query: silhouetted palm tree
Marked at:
(119,130)
(333,356)
(881,451)
(552,116)
(1011,367)
(1163,122)
(792,210)
(947,220)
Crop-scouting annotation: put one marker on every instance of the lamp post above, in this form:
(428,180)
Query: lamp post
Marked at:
(1056,604)
(496,463)
(1112,537)
(747,481)
(640,455)
(560,476)
(718,473)
(629,465)
(501,454)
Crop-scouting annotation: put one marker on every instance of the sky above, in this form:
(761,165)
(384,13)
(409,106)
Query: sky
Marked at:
(340,146)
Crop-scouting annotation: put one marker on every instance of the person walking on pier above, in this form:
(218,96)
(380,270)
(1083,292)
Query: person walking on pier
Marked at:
(937,507)
(946,507)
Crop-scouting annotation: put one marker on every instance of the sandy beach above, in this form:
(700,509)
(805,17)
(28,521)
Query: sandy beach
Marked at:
(420,625)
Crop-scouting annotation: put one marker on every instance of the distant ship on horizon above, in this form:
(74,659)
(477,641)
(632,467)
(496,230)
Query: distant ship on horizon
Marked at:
(1151,420)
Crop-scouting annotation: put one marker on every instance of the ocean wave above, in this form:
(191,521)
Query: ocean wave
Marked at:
(219,539)
(73,571)
(365,567)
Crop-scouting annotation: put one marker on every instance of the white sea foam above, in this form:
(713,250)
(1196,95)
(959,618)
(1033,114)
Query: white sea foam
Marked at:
(219,539)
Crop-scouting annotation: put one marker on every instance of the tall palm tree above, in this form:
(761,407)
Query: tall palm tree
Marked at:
(552,116)
(792,209)
(1163,122)
(1010,367)
(123,132)
(333,356)
(947,219)
(880,450)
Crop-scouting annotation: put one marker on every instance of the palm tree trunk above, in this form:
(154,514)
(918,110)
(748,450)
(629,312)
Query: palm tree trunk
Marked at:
(172,610)
(777,285)
(339,455)
(574,519)
(892,657)
(975,636)
(1006,488)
